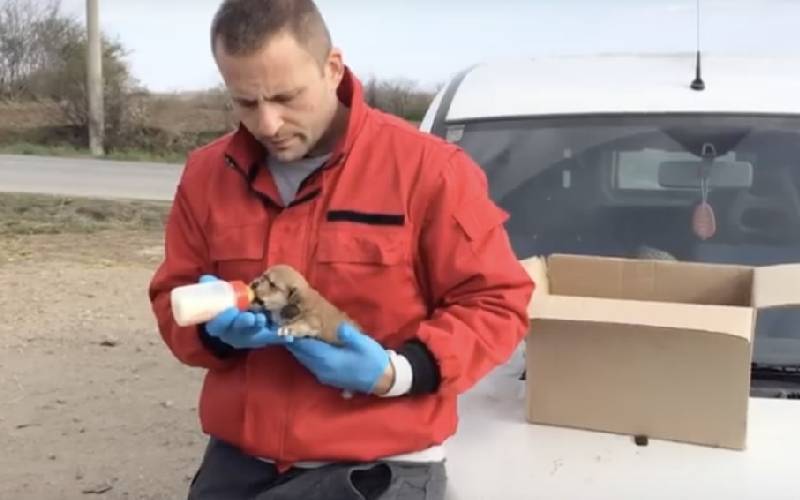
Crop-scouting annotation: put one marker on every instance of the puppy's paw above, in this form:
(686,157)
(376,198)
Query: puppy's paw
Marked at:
(296,332)
(285,331)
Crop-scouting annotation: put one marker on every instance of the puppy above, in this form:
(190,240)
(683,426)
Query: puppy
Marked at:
(298,309)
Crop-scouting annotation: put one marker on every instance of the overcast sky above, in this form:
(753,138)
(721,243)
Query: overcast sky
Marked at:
(429,40)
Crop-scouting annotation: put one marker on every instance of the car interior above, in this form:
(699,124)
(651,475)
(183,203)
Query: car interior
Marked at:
(577,202)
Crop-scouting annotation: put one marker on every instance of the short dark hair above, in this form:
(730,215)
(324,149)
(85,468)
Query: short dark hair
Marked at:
(245,26)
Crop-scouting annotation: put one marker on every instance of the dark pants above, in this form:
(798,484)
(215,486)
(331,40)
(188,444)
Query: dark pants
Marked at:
(228,474)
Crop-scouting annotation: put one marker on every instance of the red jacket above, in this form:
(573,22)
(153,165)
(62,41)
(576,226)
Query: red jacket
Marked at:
(398,231)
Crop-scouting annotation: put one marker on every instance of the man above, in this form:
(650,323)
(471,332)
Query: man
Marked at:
(393,226)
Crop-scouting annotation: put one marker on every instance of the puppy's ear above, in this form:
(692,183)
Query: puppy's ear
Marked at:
(293,297)
(257,282)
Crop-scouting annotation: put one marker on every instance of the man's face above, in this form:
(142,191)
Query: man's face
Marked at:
(282,94)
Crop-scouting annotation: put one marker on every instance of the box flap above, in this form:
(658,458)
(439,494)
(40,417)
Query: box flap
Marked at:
(537,270)
(776,286)
(668,281)
(726,320)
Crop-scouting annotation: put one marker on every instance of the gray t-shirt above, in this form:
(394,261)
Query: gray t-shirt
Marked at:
(288,176)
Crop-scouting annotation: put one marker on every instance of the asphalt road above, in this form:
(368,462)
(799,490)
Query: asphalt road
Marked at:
(88,177)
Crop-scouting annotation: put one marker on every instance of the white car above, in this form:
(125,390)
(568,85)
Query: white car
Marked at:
(578,150)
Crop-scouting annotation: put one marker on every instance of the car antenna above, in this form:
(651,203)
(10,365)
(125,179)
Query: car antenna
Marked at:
(698,83)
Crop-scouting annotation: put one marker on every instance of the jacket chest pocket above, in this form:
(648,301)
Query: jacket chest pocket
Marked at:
(367,271)
(237,252)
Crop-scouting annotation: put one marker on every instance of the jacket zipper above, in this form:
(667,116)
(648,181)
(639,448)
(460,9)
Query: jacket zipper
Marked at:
(332,162)
(289,380)
(231,163)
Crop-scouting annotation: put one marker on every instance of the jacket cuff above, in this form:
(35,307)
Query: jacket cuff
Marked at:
(426,375)
(217,347)
(403,376)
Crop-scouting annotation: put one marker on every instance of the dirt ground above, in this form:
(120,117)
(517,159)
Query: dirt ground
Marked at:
(94,405)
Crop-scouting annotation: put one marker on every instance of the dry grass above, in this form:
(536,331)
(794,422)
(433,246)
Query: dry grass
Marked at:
(189,113)
(186,113)
(171,126)
(26,214)
(24,115)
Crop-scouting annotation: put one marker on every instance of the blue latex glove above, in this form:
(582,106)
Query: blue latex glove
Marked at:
(243,329)
(356,365)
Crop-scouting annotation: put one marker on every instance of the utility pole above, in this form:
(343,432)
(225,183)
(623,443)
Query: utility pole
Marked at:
(94,80)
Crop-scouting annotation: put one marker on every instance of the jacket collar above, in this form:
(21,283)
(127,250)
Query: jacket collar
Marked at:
(248,154)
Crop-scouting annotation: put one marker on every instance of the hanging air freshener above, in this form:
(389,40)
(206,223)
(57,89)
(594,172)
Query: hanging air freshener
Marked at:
(704,223)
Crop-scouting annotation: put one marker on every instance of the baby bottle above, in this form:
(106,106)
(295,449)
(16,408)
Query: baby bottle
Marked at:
(200,302)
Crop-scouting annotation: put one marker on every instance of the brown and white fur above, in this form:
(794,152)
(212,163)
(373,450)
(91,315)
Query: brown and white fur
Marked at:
(297,308)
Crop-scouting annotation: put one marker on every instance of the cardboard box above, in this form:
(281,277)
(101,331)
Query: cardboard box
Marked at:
(654,348)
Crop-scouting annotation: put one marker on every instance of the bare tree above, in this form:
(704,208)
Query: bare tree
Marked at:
(399,96)
(43,55)
(26,34)
(371,91)
(399,93)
